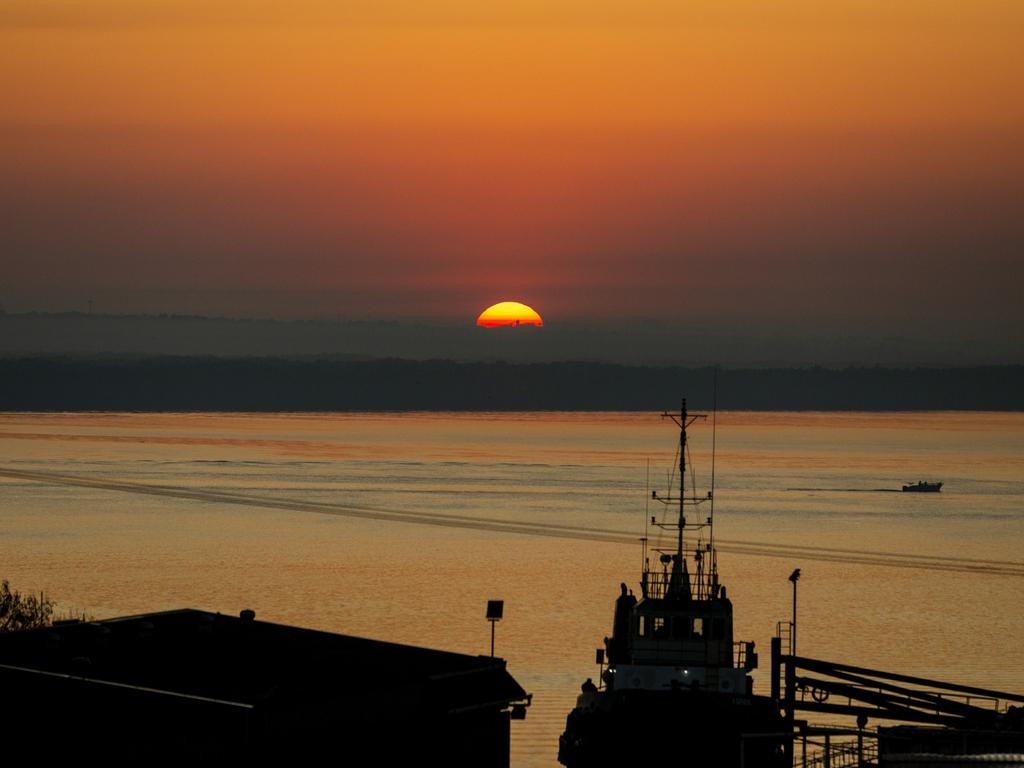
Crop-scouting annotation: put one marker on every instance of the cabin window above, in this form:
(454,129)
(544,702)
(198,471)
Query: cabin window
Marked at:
(698,628)
(641,626)
(660,626)
(681,628)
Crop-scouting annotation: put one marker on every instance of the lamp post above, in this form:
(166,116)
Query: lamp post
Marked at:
(495,609)
(794,577)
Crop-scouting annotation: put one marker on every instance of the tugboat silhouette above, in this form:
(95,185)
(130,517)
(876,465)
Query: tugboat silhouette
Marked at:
(673,681)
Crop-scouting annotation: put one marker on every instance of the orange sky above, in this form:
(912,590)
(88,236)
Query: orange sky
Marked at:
(785,161)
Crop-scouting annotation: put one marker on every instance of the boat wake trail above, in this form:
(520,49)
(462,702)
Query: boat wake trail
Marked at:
(849,490)
(529,528)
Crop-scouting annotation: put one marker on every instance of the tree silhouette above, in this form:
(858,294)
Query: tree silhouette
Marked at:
(23,612)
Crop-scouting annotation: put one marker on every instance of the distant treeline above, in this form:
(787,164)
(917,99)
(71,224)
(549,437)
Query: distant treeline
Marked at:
(279,384)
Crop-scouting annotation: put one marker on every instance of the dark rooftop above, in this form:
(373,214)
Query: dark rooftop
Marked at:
(200,678)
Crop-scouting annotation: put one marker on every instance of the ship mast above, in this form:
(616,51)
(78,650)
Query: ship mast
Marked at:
(682,478)
(680,577)
(678,584)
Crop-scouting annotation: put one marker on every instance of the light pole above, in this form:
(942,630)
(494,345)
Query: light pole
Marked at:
(794,577)
(495,609)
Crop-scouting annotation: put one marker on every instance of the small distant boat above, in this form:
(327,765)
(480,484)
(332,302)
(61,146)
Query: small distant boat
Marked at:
(922,486)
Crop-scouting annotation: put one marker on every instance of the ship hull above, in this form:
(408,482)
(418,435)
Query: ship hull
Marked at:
(681,728)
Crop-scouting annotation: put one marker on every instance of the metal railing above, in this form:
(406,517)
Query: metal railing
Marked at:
(807,690)
(742,651)
(656,583)
(838,749)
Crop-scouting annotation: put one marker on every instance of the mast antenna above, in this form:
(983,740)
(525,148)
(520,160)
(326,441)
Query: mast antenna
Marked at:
(682,478)
(678,584)
(647,516)
(711,513)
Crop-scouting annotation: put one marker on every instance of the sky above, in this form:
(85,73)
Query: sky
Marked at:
(848,164)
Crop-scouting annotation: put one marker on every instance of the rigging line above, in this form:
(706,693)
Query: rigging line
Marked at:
(714,445)
(825,554)
(693,474)
(672,472)
(647,518)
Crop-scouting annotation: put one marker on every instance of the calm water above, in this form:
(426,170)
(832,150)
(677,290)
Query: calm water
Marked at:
(305,519)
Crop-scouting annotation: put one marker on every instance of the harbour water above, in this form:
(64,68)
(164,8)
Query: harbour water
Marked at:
(402,526)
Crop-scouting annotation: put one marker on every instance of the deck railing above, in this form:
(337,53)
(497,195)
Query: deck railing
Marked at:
(744,655)
(657,584)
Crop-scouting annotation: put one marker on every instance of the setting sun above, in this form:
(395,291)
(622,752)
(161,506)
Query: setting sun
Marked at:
(508,313)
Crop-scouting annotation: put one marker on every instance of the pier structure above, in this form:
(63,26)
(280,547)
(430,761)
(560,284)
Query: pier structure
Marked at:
(928,721)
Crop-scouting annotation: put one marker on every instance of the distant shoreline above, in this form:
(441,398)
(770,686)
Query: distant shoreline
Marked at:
(692,343)
(272,384)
